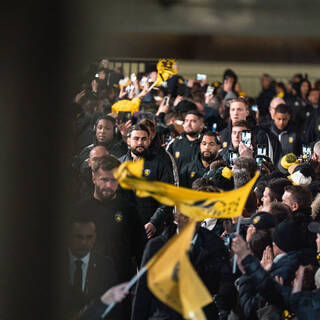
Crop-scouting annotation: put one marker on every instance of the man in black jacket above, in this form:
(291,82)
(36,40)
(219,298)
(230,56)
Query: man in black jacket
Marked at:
(184,147)
(209,148)
(285,130)
(239,111)
(120,233)
(153,215)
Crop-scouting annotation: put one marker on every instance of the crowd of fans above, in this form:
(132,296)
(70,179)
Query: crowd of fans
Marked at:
(209,137)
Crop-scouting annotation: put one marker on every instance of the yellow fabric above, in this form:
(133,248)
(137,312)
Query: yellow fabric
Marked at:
(194,204)
(288,160)
(173,280)
(165,69)
(127,106)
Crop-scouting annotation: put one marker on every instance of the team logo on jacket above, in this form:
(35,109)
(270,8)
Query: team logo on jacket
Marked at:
(118,217)
(290,139)
(256,219)
(225,144)
(177,154)
(146,172)
(192,174)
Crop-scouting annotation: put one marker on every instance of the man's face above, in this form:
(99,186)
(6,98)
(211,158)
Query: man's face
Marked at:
(192,125)
(314,97)
(266,199)
(104,131)
(82,238)
(139,142)
(236,136)
(208,148)
(265,82)
(97,153)
(281,120)
(105,185)
(238,111)
(287,199)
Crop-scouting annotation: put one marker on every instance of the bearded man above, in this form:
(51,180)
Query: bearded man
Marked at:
(209,152)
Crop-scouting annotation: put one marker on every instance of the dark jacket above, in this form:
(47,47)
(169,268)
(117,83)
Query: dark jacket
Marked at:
(101,275)
(157,167)
(289,139)
(120,233)
(264,99)
(250,299)
(210,259)
(306,305)
(183,150)
(260,135)
(192,171)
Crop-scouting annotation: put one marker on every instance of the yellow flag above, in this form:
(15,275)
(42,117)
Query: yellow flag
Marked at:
(165,68)
(127,105)
(197,205)
(173,280)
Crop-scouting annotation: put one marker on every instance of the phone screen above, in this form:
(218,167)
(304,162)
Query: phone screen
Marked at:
(306,152)
(261,150)
(246,137)
(201,77)
(232,156)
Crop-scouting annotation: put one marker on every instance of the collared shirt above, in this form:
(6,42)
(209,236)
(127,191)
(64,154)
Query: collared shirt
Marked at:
(84,267)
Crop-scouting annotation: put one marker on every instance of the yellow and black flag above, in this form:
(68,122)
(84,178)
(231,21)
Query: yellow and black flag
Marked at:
(173,280)
(197,205)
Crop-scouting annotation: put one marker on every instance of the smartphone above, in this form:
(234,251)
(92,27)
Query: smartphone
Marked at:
(246,137)
(210,90)
(123,116)
(201,77)
(143,81)
(254,108)
(306,152)
(233,156)
(261,150)
(129,89)
(133,77)
(214,127)
(259,160)
(166,100)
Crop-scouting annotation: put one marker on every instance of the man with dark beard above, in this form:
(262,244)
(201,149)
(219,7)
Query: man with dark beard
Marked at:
(153,215)
(209,152)
(120,233)
(186,146)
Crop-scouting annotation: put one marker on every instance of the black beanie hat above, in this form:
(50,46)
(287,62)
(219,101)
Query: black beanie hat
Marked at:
(262,220)
(286,235)
(221,177)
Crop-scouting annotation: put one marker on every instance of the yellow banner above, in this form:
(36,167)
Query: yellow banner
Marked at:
(165,68)
(127,106)
(173,280)
(194,204)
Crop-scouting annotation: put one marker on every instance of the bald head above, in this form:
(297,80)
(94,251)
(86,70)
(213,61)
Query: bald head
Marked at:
(97,153)
(274,103)
(316,152)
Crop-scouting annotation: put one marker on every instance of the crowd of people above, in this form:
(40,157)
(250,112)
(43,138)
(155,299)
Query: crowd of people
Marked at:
(209,137)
